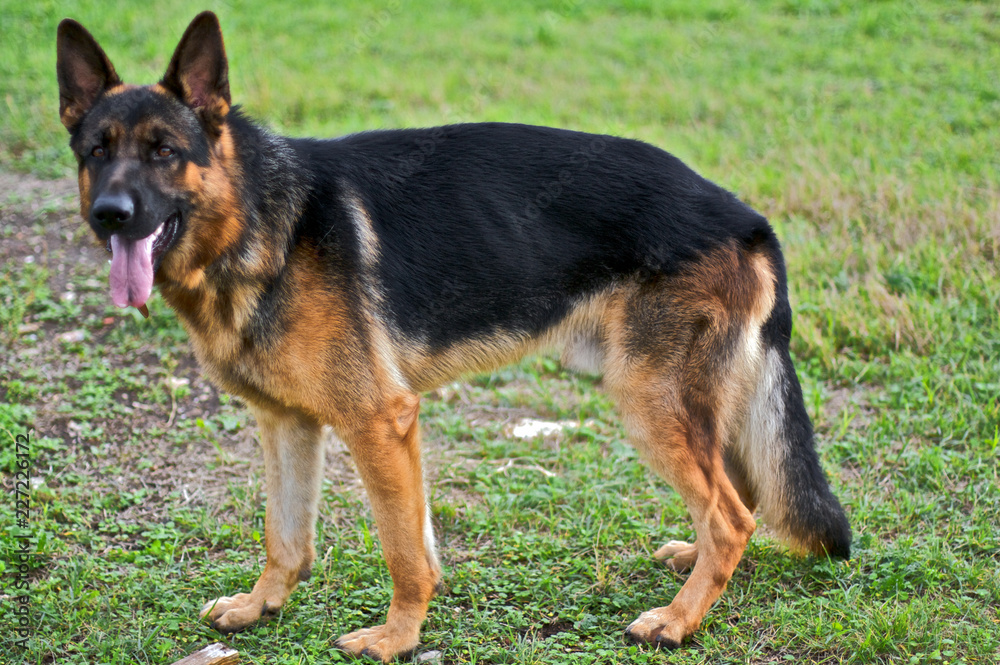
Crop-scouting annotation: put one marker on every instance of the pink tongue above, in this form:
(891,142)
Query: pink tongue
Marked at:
(131,270)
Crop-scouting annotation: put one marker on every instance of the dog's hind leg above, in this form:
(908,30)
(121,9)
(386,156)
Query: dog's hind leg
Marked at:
(387,454)
(680,445)
(683,353)
(680,555)
(293,466)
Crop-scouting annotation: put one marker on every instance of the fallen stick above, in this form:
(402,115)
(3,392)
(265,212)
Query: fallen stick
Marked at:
(213,654)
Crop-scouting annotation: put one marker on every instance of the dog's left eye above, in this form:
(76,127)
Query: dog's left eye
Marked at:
(165,151)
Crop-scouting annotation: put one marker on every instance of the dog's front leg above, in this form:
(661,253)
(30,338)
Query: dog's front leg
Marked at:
(387,454)
(293,465)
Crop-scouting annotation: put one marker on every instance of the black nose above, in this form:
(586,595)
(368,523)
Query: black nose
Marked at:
(112,211)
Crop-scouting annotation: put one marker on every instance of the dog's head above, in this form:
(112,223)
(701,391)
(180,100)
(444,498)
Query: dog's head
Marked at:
(151,158)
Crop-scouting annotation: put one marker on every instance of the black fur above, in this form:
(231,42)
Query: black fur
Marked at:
(319,279)
(526,219)
(814,513)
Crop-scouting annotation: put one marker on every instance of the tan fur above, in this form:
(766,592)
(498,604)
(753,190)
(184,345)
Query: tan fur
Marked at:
(680,413)
(682,355)
(368,243)
(425,370)
(293,462)
(71,114)
(84,181)
(681,408)
(345,366)
(119,89)
(217,224)
(388,458)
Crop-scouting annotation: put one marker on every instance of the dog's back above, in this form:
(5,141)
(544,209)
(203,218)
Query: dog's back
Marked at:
(541,236)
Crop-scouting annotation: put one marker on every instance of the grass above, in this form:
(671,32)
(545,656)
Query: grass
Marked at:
(866,132)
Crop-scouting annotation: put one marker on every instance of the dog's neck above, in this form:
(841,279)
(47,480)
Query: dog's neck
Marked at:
(271,206)
(225,284)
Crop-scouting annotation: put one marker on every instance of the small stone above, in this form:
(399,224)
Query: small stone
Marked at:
(73,336)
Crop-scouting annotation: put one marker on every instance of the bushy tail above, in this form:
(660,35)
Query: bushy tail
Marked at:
(775,453)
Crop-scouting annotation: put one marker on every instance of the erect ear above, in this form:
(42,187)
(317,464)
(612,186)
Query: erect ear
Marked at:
(83,71)
(198,72)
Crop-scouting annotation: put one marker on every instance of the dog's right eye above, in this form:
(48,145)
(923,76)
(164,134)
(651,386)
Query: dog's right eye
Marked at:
(98,151)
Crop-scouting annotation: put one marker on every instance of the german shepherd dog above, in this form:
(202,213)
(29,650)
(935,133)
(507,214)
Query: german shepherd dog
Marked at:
(330,282)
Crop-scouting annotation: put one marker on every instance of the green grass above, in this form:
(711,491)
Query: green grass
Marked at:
(867,132)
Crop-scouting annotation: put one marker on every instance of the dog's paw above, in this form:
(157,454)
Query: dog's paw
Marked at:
(230,614)
(678,555)
(379,642)
(660,628)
